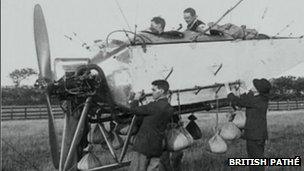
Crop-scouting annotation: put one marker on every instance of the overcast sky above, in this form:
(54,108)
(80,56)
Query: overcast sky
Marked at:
(94,19)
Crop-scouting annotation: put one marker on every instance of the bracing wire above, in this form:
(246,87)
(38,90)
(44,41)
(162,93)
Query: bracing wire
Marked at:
(123,15)
(284,28)
(264,12)
(136,11)
(135,26)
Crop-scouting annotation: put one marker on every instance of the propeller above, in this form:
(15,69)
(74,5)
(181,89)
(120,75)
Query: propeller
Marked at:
(45,74)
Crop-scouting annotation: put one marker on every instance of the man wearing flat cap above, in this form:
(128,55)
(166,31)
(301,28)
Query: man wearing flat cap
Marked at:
(256,104)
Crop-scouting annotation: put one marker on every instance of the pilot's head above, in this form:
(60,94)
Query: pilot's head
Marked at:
(189,15)
(160,88)
(157,25)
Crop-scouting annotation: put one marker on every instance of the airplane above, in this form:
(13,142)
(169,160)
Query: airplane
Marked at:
(196,66)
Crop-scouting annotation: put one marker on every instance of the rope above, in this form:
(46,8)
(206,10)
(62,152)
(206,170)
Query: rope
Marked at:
(12,147)
(179,105)
(216,116)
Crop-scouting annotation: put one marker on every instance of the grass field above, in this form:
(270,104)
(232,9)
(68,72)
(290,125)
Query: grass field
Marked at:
(30,139)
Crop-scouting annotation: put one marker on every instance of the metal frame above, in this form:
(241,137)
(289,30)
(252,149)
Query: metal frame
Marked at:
(119,162)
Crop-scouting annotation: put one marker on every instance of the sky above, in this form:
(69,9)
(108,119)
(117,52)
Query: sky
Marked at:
(94,19)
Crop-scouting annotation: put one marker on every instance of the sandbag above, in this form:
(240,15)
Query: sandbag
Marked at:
(88,161)
(122,129)
(230,131)
(230,116)
(177,138)
(233,30)
(251,33)
(192,117)
(132,140)
(117,142)
(239,119)
(217,144)
(194,130)
(95,136)
(227,29)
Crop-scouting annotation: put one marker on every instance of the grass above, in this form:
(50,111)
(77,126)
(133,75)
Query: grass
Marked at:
(30,138)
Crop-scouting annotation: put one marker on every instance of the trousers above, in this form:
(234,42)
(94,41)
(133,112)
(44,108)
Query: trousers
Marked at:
(141,162)
(172,161)
(255,149)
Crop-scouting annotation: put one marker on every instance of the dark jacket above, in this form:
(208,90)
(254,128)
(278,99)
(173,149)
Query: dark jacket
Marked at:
(155,117)
(256,109)
(193,26)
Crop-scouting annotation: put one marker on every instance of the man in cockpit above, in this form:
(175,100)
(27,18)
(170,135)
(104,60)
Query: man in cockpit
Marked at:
(194,24)
(157,25)
(157,30)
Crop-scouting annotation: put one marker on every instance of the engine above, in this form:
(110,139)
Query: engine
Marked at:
(76,86)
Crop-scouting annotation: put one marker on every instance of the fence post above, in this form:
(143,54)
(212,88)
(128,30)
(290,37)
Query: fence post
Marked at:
(297,105)
(40,113)
(288,105)
(25,112)
(278,105)
(11,112)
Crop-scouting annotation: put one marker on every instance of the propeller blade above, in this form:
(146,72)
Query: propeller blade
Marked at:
(45,72)
(52,134)
(42,44)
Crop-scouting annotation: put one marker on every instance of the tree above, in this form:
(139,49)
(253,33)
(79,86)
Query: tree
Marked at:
(20,74)
(287,88)
(299,87)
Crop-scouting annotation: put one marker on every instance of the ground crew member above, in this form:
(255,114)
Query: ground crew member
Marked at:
(256,104)
(149,141)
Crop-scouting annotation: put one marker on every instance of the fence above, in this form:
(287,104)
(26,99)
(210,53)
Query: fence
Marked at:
(40,112)
(28,112)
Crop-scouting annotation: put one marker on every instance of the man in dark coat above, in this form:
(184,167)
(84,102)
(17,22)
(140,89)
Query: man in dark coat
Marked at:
(256,104)
(149,141)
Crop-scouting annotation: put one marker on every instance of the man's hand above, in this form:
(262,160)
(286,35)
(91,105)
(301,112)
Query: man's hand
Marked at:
(230,116)
(243,90)
(227,88)
(201,28)
(139,95)
(242,87)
